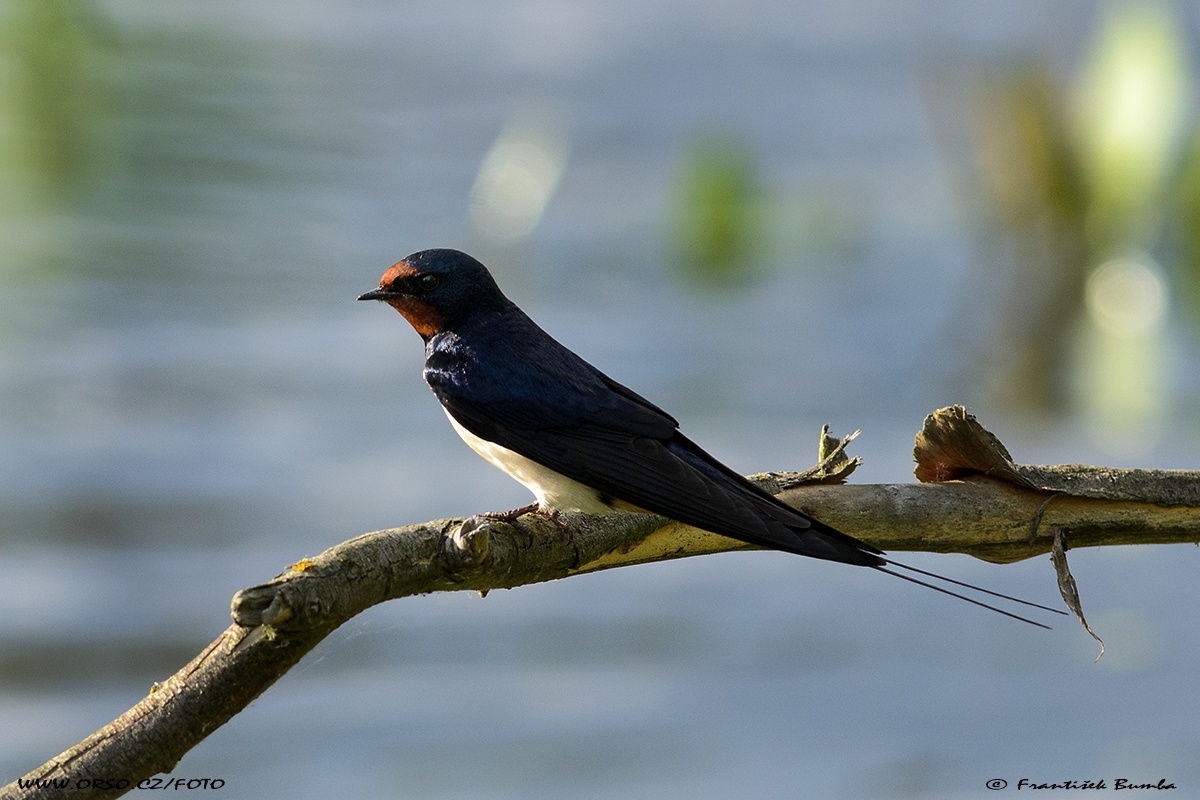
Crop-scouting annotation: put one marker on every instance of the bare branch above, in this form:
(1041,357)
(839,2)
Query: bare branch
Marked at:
(276,623)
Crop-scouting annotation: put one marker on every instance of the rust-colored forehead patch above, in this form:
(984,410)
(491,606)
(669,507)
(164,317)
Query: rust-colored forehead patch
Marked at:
(397,271)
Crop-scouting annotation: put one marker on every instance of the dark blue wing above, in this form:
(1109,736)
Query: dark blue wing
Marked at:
(568,416)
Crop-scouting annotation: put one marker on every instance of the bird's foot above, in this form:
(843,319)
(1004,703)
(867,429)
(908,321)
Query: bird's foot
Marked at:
(533,508)
(511,516)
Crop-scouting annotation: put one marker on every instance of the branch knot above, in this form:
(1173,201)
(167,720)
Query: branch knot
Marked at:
(468,545)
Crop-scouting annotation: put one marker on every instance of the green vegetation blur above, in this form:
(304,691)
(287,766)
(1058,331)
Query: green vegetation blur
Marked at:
(52,117)
(719,211)
(1089,199)
(728,224)
(1083,198)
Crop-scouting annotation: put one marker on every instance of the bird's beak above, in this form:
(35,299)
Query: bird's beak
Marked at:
(374,294)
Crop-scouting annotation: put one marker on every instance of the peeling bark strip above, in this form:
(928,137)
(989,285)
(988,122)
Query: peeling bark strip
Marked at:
(953,444)
(983,504)
(1067,587)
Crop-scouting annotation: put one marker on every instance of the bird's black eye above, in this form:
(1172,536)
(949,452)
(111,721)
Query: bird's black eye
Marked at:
(428,281)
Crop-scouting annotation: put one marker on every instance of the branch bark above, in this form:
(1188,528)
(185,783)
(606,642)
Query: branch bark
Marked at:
(998,513)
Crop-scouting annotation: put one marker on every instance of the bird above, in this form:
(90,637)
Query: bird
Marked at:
(581,441)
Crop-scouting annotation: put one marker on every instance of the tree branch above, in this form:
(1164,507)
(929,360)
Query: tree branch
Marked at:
(994,509)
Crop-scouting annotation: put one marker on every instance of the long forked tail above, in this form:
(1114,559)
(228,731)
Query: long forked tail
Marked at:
(961,596)
(837,546)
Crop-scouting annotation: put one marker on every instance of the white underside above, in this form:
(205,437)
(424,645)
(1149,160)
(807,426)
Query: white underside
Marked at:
(552,490)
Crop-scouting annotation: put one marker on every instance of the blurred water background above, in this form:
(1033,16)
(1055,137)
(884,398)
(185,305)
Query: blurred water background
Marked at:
(763,216)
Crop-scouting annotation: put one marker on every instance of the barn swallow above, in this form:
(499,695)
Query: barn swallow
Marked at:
(575,437)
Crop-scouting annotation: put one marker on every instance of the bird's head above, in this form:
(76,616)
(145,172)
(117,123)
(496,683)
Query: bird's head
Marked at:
(438,289)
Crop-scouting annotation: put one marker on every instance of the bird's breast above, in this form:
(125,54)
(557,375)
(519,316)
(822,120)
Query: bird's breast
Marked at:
(552,489)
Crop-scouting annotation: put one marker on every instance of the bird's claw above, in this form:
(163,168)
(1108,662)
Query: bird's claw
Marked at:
(510,517)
